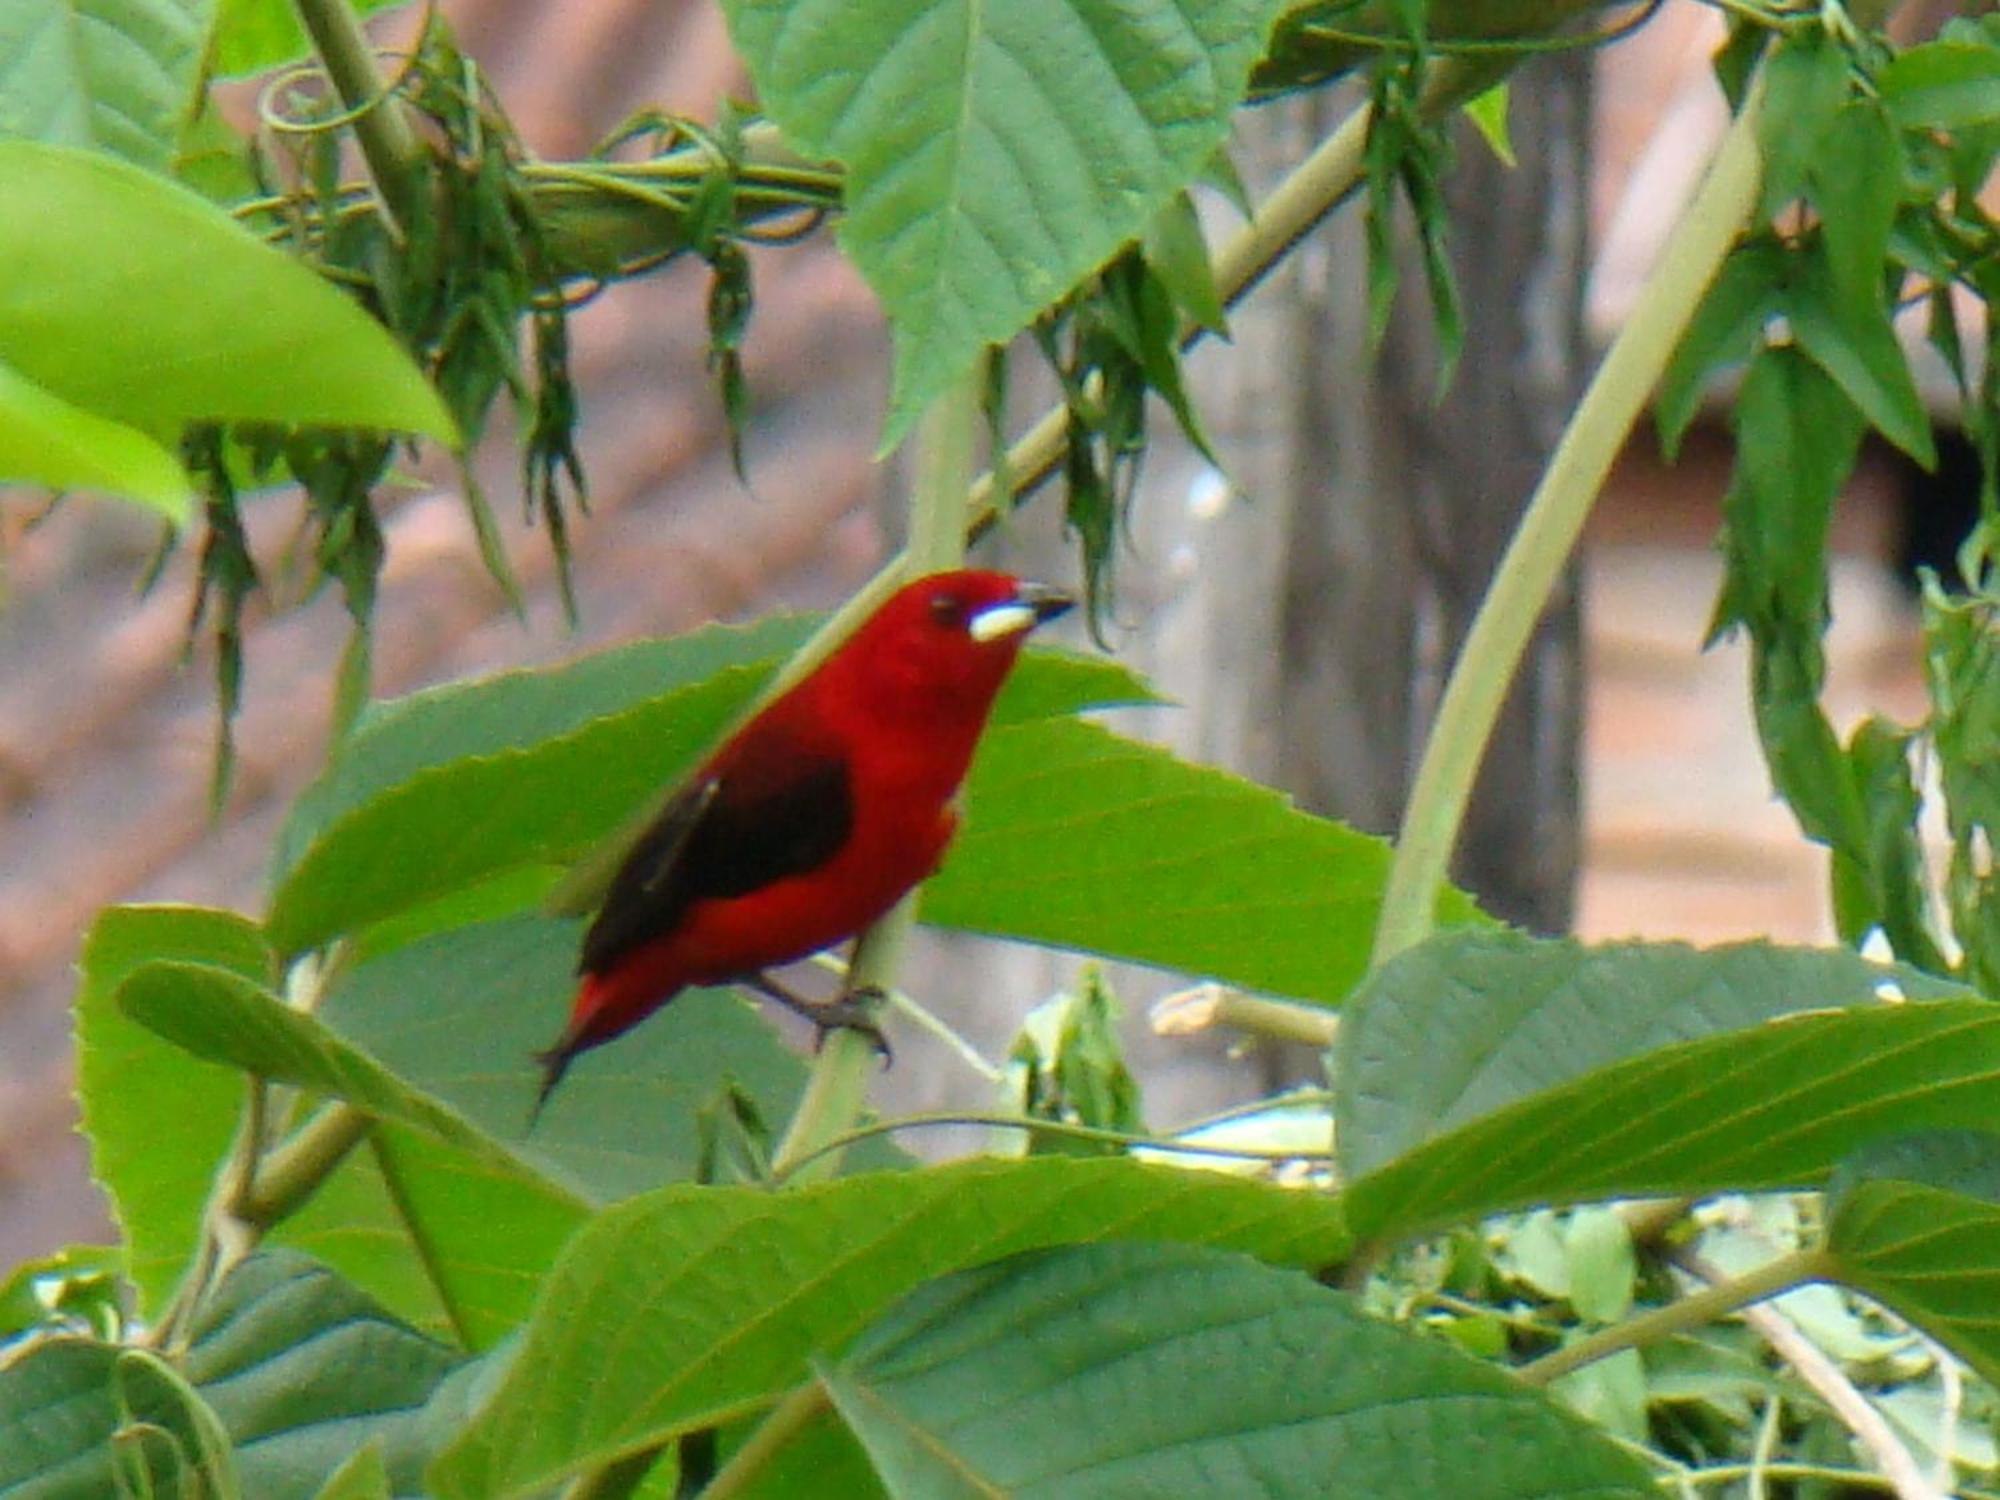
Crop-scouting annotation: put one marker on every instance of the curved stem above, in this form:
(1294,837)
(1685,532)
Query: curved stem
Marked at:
(788,1419)
(1692,1311)
(1541,546)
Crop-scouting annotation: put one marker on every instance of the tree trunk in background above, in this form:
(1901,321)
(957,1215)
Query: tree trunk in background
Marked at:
(1304,612)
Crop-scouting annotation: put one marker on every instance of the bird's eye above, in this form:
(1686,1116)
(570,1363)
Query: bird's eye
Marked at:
(947,609)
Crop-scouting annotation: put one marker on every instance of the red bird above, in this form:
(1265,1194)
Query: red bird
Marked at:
(813,819)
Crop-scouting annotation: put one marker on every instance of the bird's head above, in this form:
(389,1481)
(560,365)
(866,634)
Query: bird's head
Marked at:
(949,638)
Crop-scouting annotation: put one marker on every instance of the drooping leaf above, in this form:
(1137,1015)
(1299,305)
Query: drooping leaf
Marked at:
(1078,838)
(133,298)
(741,1287)
(115,76)
(1726,330)
(1227,1377)
(279,1356)
(1853,341)
(995,154)
(1807,85)
(46,441)
(1857,180)
(1914,1221)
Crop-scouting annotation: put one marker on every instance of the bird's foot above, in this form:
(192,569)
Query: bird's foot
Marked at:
(852,1011)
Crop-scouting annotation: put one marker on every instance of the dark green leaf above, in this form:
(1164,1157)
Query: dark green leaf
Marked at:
(1227,1377)
(1726,330)
(1857,181)
(1915,1223)
(1468,1023)
(300,1369)
(741,1287)
(1806,80)
(1854,342)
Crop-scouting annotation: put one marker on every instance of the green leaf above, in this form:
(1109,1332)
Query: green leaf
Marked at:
(252,35)
(275,1356)
(1488,113)
(1942,85)
(362,1477)
(1914,1221)
(450,788)
(1227,1377)
(222,1017)
(1726,330)
(117,76)
(158,1121)
(754,1283)
(1855,343)
(1485,1072)
(1468,1023)
(1857,182)
(1177,253)
(1078,838)
(46,441)
(135,299)
(995,154)
(1806,79)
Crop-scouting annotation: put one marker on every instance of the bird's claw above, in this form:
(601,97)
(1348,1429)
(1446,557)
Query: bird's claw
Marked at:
(853,1011)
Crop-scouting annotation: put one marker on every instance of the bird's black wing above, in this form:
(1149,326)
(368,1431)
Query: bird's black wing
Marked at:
(725,834)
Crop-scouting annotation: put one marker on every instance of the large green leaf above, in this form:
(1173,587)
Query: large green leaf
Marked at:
(1914,1221)
(995,154)
(300,1368)
(689,1306)
(46,441)
(114,75)
(1177,1370)
(1080,838)
(1468,1023)
(1773,1106)
(461,1014)
(158,1121)
(532,769)
(137,300)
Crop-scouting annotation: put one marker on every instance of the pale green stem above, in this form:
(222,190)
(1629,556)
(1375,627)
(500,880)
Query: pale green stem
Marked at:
(838,1087)
(1208,1007)
(788,1419)
(1541,547)
(1169,1145)
(394,152)
(1695,1310)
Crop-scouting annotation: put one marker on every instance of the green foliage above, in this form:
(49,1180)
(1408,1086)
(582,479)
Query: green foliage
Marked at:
(271,1364)
(626,1293)
(1229,1377)
(995,155)
(750,1281)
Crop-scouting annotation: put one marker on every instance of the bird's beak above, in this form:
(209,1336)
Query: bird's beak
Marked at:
(1031,605)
